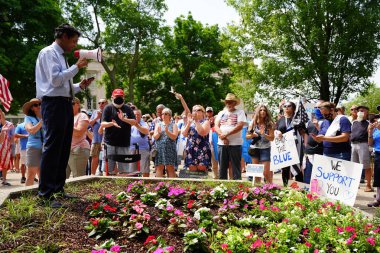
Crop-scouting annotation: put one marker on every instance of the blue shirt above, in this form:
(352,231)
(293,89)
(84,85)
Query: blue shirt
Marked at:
(96,138)
(34,140)
(136,137)
(20,129)
(333,147)
(376,139)
(52,75)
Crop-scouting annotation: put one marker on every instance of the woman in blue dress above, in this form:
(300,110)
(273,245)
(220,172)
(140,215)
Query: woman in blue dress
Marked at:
(198,150)
(165,134)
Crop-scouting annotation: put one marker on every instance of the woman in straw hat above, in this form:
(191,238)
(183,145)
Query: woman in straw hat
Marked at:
(33,125)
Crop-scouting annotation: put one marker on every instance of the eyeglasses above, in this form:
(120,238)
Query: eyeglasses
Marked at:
(101,103)
(36,105)
(166,113)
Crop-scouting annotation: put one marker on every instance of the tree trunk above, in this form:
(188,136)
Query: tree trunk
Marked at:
(325,89)
(132,69)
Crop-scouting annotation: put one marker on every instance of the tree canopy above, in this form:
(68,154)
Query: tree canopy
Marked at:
(325,49)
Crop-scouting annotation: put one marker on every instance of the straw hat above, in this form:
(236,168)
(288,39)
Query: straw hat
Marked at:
(232,97)
(26,107)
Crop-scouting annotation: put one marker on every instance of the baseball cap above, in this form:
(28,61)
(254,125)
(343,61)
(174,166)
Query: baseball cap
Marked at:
(209,108)
(117,92)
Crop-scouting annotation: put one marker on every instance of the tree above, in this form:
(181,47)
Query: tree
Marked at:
(371,99)
(321,48)
(23,33)
(192,64)
(129,29)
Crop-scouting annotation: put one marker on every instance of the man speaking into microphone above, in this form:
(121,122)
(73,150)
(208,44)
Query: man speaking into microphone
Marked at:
(56,90)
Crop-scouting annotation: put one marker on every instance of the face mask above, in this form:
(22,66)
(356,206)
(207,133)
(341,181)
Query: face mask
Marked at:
(360,116)
(318,114)
(118,102)
(328,116)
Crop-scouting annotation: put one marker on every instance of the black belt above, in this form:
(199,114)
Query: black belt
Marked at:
(358,142)
(46,98)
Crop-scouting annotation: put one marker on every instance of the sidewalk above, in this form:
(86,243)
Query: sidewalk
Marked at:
(362,199)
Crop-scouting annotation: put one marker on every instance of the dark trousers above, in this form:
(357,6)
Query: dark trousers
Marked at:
(286,175)
(58,121)
(227,154)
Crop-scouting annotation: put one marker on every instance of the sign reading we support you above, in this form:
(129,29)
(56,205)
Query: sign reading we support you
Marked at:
(337,179)
(284,151)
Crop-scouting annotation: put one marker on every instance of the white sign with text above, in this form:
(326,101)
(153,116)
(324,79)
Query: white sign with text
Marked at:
(336,179)
(284,151)
(254,170)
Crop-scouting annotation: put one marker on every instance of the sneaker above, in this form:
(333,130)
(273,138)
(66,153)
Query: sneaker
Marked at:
(98,173)
(36,180)
(23,179)
(6,183)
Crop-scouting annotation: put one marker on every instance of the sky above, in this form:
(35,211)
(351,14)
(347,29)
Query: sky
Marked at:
(212,12)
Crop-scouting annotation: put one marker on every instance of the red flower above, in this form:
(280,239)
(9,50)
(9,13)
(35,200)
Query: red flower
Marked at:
(149,239)
(308,244)
(305,231)
(95,205)
(317,230)
(190,203)
(109,208)
(94,222)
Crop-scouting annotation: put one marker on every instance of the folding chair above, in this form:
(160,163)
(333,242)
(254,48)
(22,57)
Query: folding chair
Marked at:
(130,158)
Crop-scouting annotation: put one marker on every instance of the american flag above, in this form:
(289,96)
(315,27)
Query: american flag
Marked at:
(300,115)
(5,95)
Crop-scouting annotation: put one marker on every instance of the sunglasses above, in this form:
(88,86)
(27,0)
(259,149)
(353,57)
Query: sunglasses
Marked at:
(287,106)
(36,105)
(166,113)
(198,110)
(209,111)
(101,103)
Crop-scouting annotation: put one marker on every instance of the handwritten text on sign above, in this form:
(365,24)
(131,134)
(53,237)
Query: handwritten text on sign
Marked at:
(284,151)
(337,179)
(254,170)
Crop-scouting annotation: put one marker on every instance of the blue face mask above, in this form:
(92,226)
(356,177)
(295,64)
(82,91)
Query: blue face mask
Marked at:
(318,114)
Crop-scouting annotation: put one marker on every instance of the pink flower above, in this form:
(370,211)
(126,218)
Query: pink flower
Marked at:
(138,225)
(371,240)
(169,208)
(178,212)
(256,244)
(349,241)
(169,248)
(109,196)
(159,250)
(173,220)
(115,248)
(308,244)
(305,231)
(340,230)
(133,216)
(350,229)
(146,216)
(317,230)
(316,251)
(224,246)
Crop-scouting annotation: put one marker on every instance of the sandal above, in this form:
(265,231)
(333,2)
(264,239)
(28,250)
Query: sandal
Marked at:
(369,190)
(374,204)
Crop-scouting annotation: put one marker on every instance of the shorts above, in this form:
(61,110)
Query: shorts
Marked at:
(33,157)
(95,149)
(22,156)
(144,162)
(262,155)
(360,154)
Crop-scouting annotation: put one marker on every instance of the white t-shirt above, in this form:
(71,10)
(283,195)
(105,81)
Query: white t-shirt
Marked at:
(228,120)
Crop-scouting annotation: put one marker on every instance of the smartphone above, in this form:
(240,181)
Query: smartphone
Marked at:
(90,79)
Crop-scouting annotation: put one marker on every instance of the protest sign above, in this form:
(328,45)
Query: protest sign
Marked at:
(254,170)
(284,151)
(336,179)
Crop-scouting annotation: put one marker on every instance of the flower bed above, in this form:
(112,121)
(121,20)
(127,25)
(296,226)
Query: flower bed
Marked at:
(230,220)
(120,216)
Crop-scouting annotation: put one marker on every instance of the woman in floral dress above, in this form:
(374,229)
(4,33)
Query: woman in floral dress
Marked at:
(197,151)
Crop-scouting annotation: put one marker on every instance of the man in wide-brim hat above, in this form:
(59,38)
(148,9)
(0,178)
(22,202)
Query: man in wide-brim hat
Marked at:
(228,126)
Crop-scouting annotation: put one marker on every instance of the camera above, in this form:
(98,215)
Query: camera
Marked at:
(298,125)
(255,139)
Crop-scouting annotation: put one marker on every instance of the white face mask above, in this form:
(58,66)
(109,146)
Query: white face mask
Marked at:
(360,116)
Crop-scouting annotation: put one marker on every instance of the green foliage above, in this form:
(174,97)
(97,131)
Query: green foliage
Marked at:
(192,64)
(308,48)
(371,99)
(23,33)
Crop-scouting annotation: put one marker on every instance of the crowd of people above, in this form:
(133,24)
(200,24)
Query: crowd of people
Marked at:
(58,139)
